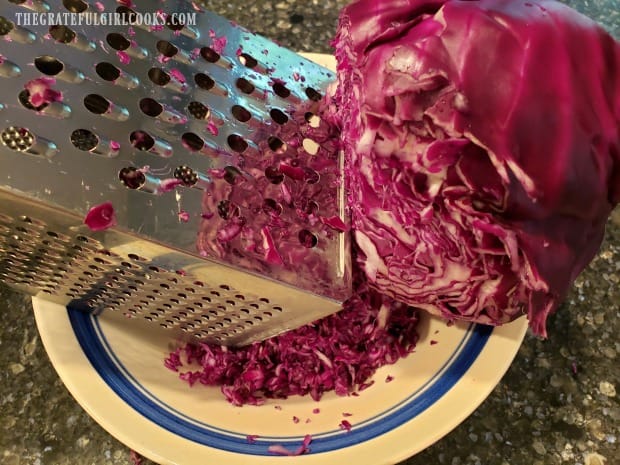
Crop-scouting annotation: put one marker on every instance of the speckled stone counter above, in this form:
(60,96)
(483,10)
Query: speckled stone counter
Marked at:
(556,405)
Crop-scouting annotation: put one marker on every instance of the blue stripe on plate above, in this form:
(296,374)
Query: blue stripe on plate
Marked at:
(114,374)
(127,374)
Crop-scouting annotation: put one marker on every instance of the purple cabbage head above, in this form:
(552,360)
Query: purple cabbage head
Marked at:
(482,150)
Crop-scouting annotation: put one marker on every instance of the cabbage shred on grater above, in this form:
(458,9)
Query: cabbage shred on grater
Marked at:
(169,167)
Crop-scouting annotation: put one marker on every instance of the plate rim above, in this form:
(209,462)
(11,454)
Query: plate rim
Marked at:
(504,340)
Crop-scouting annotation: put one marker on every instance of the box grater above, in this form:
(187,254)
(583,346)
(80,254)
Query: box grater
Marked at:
(161,163)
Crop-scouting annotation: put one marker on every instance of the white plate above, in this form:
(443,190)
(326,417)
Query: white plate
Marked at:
(116,373)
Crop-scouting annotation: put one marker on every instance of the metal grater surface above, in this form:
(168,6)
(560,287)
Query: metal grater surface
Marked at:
(179,175)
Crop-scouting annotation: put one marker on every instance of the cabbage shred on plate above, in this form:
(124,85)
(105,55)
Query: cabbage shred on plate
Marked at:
(338,353)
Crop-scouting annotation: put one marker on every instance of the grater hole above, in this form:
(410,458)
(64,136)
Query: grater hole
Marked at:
(245,86)
(17,138)
(117,41)
(62,34)
(312,208)
(241,113)
(75,6)
(312,119)
(313,94)
(310,146)
(281,90)
(84,239)
(166,48)
(311,176)
(24,99)
(231,174)
(237,143)
(274,175)
(192,142)
(151,107)
(83,139)
(272,207)
(276,144)
(173,23)
(226,210)
(6,26)
(307,239)
(35,223)
(198,110)
(248,61)
(203,81)
(96,104)
(127,14)
(278,116)
(141,140)
(107,71)
(101,261)
(185,174)
(48,65)
(209,54)
(128,265)
(133,179)
(158,76)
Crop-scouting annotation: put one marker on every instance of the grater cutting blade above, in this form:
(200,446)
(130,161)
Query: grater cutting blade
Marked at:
(162,163)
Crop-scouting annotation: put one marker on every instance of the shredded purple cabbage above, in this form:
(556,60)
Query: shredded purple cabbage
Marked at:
(338,353)
(278,449)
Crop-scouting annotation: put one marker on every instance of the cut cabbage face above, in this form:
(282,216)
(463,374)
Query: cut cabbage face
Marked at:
(482,150)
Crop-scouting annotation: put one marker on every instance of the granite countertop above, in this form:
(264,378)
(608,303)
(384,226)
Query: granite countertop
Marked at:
(557,403)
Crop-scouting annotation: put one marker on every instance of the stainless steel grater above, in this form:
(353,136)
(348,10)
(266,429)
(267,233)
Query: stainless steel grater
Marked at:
(168,166)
